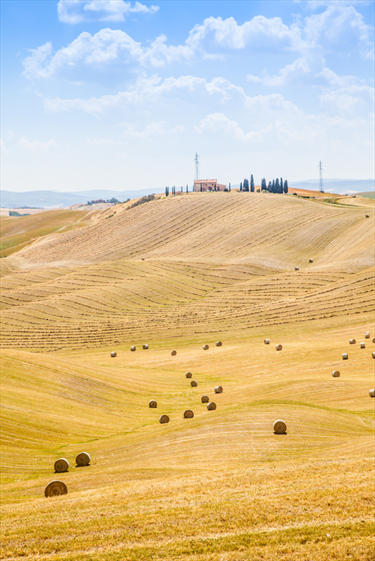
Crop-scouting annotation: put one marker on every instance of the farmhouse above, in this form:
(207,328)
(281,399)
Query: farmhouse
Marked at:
(208,185)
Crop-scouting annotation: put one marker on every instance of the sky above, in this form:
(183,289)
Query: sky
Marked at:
(110,94)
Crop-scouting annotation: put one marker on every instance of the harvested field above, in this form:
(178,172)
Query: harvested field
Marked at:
(219,485)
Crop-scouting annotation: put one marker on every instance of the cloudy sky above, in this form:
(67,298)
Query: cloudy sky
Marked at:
(120,95)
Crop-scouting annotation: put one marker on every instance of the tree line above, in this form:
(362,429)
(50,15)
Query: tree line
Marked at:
(275,186)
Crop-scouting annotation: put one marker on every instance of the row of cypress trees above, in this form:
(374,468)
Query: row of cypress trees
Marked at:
(275,186)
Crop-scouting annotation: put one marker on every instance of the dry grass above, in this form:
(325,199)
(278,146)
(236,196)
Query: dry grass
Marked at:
(220,486)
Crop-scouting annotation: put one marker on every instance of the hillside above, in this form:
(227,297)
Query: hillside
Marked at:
(221,485)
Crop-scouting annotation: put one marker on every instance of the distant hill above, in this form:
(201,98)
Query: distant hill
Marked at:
(340,186)
(54,199)
(368,195)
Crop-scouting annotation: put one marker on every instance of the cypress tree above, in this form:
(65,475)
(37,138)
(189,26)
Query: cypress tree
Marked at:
(273,186)
(270,186)
(229,187)
(277,186)
(240,186)
(252,183)
(281,185)
(286,186)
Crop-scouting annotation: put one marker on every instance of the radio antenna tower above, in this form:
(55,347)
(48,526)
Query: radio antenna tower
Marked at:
(321,176)
(196,160)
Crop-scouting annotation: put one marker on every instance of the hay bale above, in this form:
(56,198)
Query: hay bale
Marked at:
(188,375)
(373,340)
(296,269)
(55,488)
(211,406)
(219,344)
(373,355)
(152,404)
(218,389)
(113,354)
(336,374)
(362,345)
(164,419)
(193,383)
(205,399)
(279,347)
(143,258)
(352,341)
(266,341)
(145,346)
(188,414)
(279,427)
(367,335)
(367,216)
(83,459)
(173,353)
(372,393)
(133,348)
(311,261)
(61,465)
(345,356)
(205,347)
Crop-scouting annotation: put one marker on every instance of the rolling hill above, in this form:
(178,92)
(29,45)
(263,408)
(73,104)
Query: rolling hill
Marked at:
(222,485)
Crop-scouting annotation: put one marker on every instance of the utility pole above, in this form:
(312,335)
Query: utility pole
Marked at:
(321,176)
(196,160)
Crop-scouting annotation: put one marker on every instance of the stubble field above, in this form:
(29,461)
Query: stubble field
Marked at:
(220,486)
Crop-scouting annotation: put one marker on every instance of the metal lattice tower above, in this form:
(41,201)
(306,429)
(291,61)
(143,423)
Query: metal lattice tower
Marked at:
(196,160)
(321,176)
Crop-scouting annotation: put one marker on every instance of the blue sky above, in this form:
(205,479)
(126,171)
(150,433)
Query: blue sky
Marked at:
(120,95)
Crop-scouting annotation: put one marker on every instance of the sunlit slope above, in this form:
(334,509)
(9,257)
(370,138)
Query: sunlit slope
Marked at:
(268,231)
(54,406)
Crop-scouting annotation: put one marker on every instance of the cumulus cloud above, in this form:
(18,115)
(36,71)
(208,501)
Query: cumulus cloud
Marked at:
(35,145)
(147,89)
(218,122)
(77,11)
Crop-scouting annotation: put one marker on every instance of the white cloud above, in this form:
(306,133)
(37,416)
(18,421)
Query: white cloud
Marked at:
(149,130)
(36,144)
(4,149)
(77,11)
(219,123)
(147,89)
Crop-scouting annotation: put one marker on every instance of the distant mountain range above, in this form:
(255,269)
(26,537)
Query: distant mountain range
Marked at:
(55,199)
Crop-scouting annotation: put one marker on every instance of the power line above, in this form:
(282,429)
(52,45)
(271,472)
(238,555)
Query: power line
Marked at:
(197,163)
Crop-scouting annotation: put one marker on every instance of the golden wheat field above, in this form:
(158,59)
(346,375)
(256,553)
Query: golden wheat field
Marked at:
(178,273)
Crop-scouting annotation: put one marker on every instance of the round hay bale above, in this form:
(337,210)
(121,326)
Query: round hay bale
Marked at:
(143,258)
(219,344)
(367,216)
(373,355)
(373,340)
(218,389)
(367,335)
(61,465)
(152,403)
(211,406)
(133,348)
(352,341)
(188,414)
(279,347)
(193,383)
(205,399)
(279,427)
(173,353)
(345,356)
(164,419)
(83,459)
(55,488)
(113,354)
(145,346)
(362,345)
(372,393)
(296,269)
(266,341)
(336,374)
(311,261)
(205,347)
(188,375)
